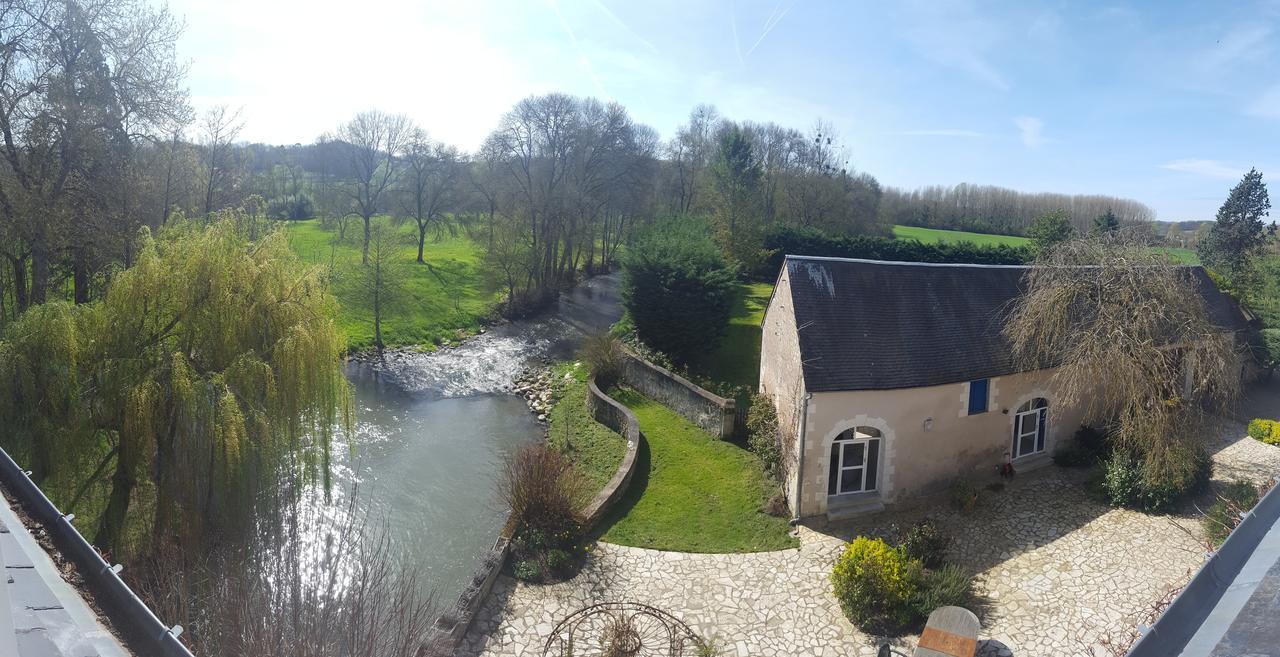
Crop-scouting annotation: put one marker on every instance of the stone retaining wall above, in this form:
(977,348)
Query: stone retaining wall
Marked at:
(610,413)
(453,625)
(712,412)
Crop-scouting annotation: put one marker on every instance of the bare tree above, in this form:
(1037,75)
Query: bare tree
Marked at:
(220,127)
(430,184)
(380,278)
(1132,341)
(375,139)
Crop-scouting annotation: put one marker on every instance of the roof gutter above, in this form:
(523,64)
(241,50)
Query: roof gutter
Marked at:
(804,426)
(143,631)
(1174,628)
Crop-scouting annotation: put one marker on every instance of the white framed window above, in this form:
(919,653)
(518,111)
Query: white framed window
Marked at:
(855,461)
(1029,427)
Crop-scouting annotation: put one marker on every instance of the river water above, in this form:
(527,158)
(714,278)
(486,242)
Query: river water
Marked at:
(433,430)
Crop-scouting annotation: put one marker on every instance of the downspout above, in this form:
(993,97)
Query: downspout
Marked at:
(804,425)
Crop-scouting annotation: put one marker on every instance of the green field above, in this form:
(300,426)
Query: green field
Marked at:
(692,492)
(444,301)
(932,235)
(736,360)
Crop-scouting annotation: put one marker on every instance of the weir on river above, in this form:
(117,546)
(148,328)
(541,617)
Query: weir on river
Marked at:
(433,431)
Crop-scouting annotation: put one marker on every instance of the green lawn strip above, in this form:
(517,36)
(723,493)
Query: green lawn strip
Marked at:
(931,235)
(736,360)
(595,449)
(692,492)
(445,301)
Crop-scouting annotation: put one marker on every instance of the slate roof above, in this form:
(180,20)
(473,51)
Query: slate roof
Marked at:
(878,325)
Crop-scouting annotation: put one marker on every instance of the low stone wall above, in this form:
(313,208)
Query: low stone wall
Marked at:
(607,411)
(453,625)
(712,412)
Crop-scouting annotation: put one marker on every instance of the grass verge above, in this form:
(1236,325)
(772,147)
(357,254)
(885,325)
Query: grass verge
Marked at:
(595,449)
(445,299)
(692,492)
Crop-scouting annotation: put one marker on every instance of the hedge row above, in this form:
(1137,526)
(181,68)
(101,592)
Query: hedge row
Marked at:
(785,241)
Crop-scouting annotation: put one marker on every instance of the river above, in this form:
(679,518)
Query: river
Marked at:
(433,430)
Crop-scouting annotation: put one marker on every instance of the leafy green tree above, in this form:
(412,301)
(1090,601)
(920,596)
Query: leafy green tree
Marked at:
(207,374)
(1107,222)
(737,172)
(677,289)
(1051,228)
(380,280)
(1239,233)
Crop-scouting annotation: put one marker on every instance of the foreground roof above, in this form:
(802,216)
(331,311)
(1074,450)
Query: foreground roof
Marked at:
(40,614)
(876,325)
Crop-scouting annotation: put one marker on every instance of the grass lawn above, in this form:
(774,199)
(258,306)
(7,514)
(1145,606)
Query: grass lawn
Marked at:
(736,361)
(931,235)
(444,301)
(692,492)
(594,448)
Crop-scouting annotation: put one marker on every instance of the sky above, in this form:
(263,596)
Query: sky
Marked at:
(1167,103)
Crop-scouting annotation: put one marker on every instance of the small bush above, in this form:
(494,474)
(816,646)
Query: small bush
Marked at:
(291,207)
(1126,485)
(763,437)
(777,505)
(1072,455)
(1233,501)
(1268,431)
(876,585)
(529,570)
(544,493)
(604,356)
(925,543)
(964,495)
(1092,440)
(946,586)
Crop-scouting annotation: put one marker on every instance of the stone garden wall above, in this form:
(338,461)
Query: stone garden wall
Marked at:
(712,412)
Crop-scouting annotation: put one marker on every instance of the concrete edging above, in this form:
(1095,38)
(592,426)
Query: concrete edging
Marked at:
(452,627)
(713,413)
(134,617)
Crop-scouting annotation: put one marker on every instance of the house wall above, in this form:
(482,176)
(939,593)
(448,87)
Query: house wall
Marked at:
(781,377)
(917,459)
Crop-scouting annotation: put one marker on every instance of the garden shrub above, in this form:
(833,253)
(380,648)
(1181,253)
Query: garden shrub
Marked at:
(925,543)
(604,356)
(1268,431)
(291,207)
(1235,499)
(677,289)
(544,493)
(964,495)
(1092,440)
(949,585)
(1072,455)
(763,437)
(1125,483)
(876,585)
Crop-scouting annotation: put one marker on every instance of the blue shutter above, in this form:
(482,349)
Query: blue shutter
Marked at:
(978,396)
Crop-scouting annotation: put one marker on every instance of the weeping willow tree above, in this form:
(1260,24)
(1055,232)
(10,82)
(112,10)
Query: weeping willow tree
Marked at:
(208,374)
(1134,344)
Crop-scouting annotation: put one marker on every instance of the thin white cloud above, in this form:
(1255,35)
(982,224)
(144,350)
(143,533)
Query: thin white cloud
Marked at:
(772,22)
(582,55)
(942,132)
(955,35)
(737,45)
(1209,168)
(1030,130)
(1266,106)
(626,28)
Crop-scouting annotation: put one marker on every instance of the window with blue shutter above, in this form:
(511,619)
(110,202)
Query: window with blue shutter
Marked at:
(978,396)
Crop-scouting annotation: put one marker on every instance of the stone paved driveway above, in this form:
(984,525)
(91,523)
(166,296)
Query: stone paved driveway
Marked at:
(1060,572)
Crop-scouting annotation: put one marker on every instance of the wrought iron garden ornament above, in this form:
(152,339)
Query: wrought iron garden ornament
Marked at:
(622,629)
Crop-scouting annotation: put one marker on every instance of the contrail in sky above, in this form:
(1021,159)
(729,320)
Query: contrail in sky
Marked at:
(774,18)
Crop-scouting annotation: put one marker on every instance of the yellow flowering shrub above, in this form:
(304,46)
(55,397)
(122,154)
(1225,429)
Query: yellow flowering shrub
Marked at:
(875,584)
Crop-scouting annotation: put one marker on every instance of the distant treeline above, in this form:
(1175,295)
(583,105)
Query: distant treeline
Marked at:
(785,241)
(999,210)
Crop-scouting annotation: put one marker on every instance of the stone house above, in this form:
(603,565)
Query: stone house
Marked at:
(893,379)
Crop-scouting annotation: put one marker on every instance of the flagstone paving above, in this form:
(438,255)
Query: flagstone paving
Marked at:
(1060,572)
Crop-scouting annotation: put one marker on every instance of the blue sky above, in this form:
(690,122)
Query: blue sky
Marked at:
(1167,103)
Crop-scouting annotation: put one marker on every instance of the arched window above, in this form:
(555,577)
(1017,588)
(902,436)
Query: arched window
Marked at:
(1029,427)
(855,461)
